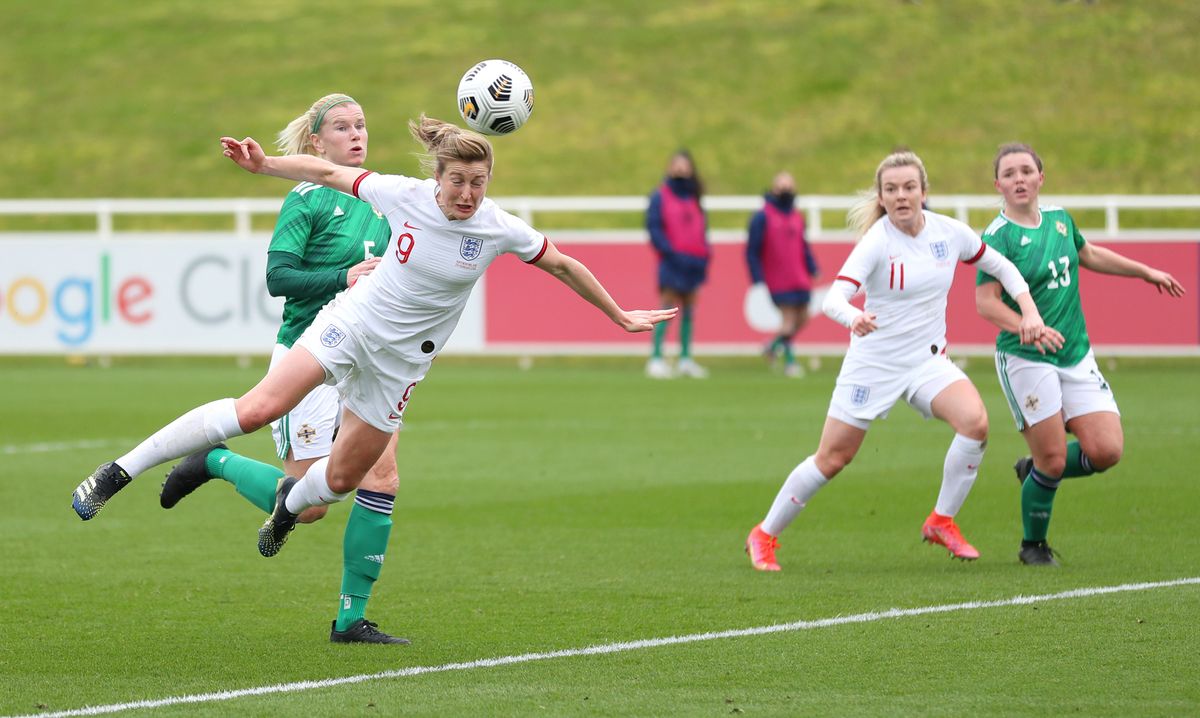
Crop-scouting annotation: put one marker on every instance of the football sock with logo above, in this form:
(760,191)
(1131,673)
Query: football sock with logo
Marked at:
(1037,501)
(254,480)
(959,472)
(1078,463)
(685,333)
(363,548)
(313,489)
(660,333)
(804,481)
(199,428)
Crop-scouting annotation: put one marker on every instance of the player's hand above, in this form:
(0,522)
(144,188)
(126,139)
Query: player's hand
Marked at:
(1165,282)
(361,270)
(1051,340)
(248,154)
(643,320)
(1031,327)
(863,324)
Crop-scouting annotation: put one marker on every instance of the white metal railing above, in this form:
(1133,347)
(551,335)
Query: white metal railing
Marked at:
(242,209)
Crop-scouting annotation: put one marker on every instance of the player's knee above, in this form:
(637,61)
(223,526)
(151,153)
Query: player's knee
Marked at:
(973,424)
(342,482)
(1106,456)
(1051,465)
(831,463)
(253,414)
(381,482)
(312,514)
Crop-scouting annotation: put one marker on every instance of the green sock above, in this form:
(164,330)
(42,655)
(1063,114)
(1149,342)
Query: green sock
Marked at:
(660,333)
(363,548)
(788,356)
(685,334)
(1077,462)
(254,480)
(1036,503)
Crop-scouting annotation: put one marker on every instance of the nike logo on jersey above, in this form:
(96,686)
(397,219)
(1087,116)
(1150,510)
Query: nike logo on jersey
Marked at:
(393,416)
(1025,240)
(409,226)
(893,256)
(337,212)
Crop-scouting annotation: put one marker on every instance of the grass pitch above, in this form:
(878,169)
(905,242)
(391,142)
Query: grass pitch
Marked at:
(575,504)
(823,89)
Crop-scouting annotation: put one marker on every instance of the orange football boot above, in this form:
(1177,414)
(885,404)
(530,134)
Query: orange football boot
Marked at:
(760,546)
(943,531)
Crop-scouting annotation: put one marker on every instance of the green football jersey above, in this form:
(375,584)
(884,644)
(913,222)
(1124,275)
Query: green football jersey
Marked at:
(329,231)
(1048,258)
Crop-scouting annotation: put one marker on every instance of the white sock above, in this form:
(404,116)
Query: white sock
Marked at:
(959,473)
(804,481)
(313,489)
(200,428)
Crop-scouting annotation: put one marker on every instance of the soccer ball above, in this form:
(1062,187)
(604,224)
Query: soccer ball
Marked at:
(495,97)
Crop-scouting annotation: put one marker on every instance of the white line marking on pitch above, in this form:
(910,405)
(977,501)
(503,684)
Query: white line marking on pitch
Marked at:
(611,648)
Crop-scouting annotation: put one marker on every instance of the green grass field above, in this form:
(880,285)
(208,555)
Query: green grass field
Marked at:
(578,504)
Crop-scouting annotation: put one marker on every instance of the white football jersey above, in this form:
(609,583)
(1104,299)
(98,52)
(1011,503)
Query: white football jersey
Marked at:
(413,300)
(906,280)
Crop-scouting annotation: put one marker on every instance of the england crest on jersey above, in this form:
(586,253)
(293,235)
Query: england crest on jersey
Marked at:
(940,250)
(859,394)
(332,336)
(470,247)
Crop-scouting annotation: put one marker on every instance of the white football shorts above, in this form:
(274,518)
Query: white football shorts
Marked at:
(863,395)
(307,430)
(1038,390)
(373,383)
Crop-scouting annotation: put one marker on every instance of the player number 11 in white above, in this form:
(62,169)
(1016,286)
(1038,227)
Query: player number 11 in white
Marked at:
(1060,279)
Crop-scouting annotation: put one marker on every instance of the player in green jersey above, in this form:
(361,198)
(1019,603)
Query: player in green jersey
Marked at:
(324,241)
(1051,394)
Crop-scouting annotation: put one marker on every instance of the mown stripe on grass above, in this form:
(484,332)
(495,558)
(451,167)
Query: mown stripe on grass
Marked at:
(47,447)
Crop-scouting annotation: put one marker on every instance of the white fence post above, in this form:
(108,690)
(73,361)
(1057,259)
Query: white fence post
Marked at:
(241,221)
(104,219)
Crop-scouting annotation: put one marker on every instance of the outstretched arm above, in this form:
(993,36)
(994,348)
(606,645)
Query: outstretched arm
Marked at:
(1030,327)
(1106,261)
(249,155)
(572,273)
(992,308)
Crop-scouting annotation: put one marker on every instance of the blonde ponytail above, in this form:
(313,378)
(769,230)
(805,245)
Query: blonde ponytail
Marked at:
(444,142)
